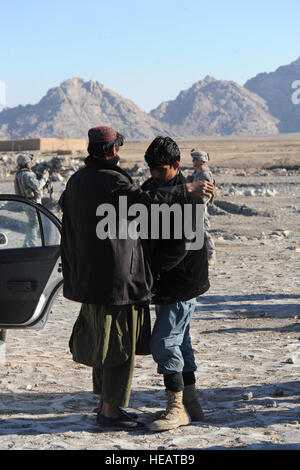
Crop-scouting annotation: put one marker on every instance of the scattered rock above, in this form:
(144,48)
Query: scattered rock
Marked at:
(215,210)
(281,171)
(247,396)
(260,192)
(290,360)
(270,404)
(271,192)
(275,234)
(57,177)
(232,208)
(249,192)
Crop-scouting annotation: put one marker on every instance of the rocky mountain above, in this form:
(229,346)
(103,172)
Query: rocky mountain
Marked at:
(209,108)
(70,109)
(276,89)
(217,107)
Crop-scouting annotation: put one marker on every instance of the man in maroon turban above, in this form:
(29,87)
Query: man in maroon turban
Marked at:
(110,277)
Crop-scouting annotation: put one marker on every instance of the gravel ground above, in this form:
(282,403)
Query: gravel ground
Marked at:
(246,335)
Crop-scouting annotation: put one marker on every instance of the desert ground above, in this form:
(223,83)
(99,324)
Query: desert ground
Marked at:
(245,330)
(238,152)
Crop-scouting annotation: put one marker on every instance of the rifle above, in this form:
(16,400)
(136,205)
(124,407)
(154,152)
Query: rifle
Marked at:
(39,169)
(49,187)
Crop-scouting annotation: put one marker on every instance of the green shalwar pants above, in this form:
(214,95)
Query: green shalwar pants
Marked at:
(107,338)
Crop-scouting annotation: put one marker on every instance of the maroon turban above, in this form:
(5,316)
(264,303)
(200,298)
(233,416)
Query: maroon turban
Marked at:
(98,135)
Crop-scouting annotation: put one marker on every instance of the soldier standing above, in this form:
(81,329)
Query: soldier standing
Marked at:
(26,182)
(29,186)
(202,172)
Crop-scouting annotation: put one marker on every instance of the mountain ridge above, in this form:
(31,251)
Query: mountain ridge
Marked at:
(209,107)
(276,89)
(70,109)
(217,107)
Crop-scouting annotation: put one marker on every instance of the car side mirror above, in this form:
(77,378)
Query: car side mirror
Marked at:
(3,239)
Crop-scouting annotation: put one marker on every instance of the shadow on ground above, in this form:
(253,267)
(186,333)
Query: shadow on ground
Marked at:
(242,306)
(223,407)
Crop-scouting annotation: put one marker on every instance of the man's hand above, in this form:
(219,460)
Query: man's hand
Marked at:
(200,188)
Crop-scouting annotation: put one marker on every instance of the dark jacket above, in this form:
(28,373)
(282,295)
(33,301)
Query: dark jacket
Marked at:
(179,274)
(104,271)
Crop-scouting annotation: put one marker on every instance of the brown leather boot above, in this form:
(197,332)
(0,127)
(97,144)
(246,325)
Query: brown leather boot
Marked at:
(190,401)
(174,416)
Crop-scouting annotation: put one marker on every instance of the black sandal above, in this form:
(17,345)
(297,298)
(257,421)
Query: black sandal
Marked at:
(123,423)
(121,410)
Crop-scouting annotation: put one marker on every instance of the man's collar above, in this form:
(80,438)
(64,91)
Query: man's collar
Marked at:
(104,164)
(172,181)
(178,179)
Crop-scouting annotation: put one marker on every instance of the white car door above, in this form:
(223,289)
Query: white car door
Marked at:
(30,267)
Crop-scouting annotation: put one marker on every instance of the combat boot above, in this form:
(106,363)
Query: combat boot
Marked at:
(190,401)
(174,416)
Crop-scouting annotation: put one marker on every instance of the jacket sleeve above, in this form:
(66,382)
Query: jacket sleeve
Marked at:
(167,194)
(206,175)
(33,182)
(174,252)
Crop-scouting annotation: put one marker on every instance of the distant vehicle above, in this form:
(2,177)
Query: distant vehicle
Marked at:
(30,264)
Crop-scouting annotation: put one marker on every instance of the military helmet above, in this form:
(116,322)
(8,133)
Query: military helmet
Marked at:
(23,159)
(200,155)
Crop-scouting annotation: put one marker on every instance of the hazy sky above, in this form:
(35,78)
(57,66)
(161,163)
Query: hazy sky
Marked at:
(147,51)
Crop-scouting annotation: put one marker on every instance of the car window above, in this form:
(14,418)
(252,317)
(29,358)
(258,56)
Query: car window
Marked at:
(50,231)
(19,225)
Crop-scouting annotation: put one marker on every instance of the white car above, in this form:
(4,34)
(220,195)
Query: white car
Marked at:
(30,265)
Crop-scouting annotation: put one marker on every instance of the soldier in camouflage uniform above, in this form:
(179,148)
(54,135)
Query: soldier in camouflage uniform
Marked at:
(29,186)
(202,172)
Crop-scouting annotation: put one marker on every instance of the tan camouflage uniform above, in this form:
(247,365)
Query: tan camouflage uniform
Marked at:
(205,174)
(28,186)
